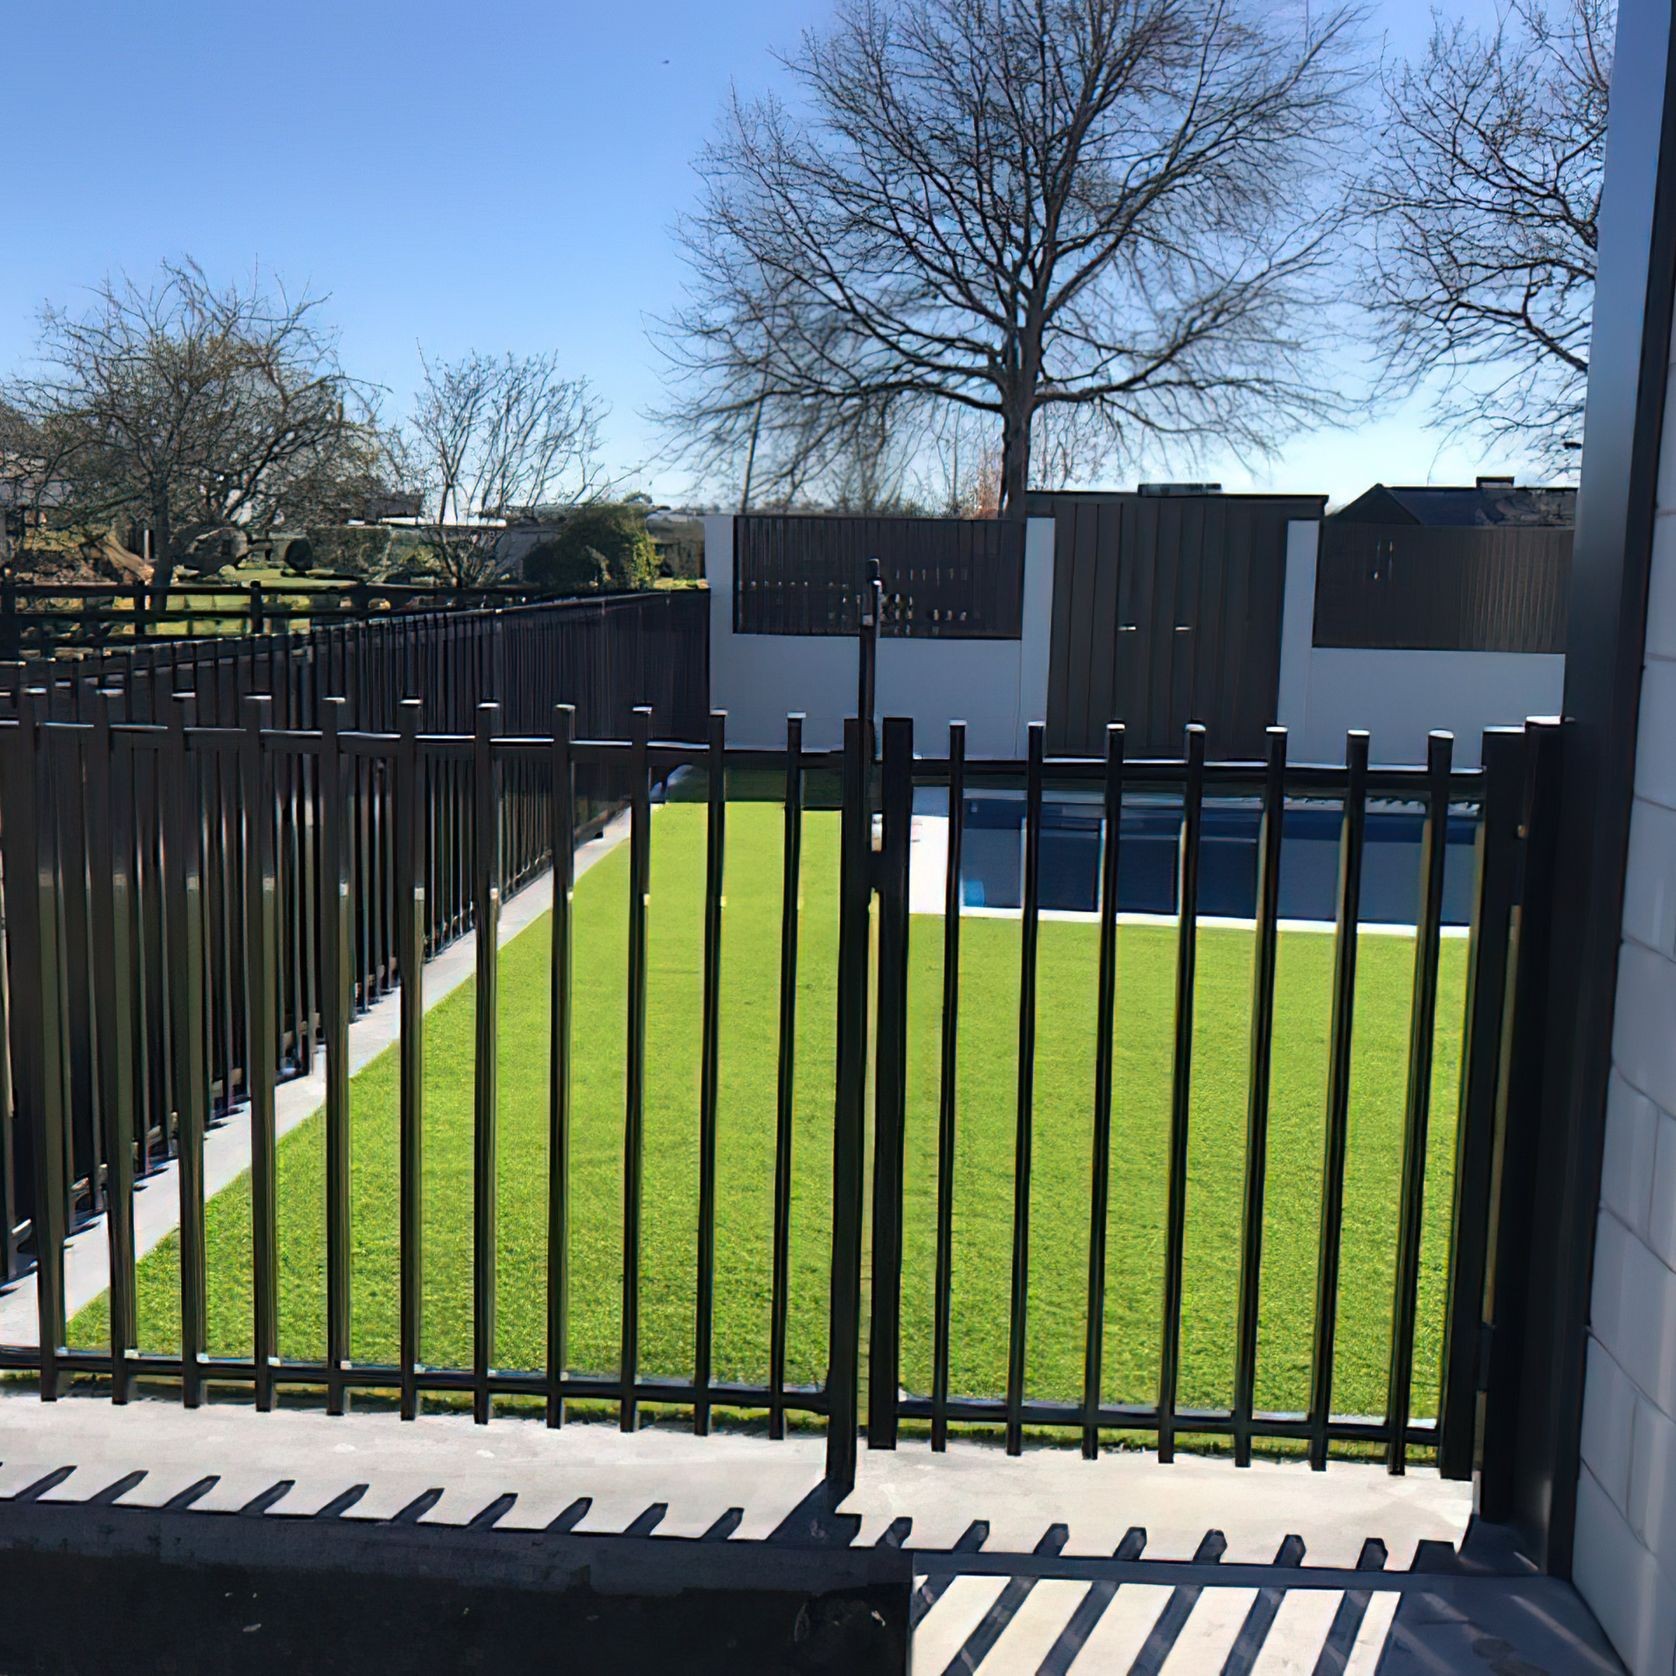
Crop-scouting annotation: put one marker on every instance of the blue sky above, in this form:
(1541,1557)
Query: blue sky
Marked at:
(496,174)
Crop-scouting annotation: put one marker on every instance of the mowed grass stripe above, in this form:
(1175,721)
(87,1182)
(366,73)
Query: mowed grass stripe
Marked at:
(983,1176)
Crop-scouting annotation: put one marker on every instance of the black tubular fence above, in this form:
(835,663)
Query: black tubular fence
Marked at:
(88,813)
(245,858)
(944,578)
(38,617)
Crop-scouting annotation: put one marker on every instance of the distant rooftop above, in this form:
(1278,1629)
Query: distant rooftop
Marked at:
(1490,502)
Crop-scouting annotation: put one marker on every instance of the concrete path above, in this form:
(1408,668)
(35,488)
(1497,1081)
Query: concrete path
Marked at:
(227,1145)
(1044,1563)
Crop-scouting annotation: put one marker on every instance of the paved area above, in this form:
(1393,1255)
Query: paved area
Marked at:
(1045,1563)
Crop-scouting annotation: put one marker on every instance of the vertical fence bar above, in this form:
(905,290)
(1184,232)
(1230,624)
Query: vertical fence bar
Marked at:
(33,933)
(412,906)
(890,1085)
(709,1067)
(113,1025)
(1352,829)
(1417,1111)
(335,932)
(1488,992)
(486,896)
(948,1092)
(261,920)
(1105,1046)
(1181,1085)
(1024,1132)
(1266,940)
(560,998)
(785,1071)
(191,1067)
(634,1103)
(849,1113)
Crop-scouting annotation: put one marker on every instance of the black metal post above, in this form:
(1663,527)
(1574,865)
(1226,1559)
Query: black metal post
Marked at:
(1265,941)
(1499,849)
(412,905)
(634,1102)
(850,1100)
(560,1005)
(1417,1113)
(184,869)
(1025,1115)
(710,1063)
(1105,1048)
(335,887)
(890,1085)
(486,1083)
(785,1077)
(1353,826)
(948,1092)
(871,608)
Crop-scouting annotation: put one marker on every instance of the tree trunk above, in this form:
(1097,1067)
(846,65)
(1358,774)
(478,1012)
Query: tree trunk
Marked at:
(162,554)
(1016,414)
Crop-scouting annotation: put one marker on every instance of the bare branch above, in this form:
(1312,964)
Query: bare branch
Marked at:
(1126,207)
(1482,207)
(490,436)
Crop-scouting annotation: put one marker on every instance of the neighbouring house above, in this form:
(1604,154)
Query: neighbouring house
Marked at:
(1491,503)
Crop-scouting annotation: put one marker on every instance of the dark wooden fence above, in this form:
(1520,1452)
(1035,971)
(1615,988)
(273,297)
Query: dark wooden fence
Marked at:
(93,815)
(1166,610)
(944,578)
(40,757)
(1455,590)
(39,617)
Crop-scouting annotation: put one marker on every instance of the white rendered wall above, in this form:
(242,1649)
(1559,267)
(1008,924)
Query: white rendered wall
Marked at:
(1399,697)
(1625,1560)
(997,687)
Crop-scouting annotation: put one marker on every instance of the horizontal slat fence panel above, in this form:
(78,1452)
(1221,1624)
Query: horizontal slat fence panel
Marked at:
(944,578)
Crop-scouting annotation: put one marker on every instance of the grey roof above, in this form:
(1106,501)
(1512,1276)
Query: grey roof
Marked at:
(1486,504)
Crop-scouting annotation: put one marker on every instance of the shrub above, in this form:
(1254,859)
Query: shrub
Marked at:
(360,550)
(596,547)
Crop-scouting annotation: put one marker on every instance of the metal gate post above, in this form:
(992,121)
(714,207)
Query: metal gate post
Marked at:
(890,1096)
(1511,1231)
(844,1321)
(1483,1082)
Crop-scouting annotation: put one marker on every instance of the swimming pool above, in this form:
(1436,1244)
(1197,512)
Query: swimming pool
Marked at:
(993,852)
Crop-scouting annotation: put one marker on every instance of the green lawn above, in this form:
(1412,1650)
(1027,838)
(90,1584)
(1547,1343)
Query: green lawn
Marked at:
(983,1184)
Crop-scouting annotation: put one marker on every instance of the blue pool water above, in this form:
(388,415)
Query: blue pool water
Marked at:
(992,864)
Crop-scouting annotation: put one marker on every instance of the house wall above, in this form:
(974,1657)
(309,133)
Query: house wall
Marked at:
(1398,696)
(997,687)
(1625,1550)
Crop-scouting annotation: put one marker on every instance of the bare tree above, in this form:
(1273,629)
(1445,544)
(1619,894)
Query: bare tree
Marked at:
(1121,209)
(205,412)
(492,435)
(1483,205)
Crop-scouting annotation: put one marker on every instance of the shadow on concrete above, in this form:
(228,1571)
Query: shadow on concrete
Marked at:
(213,1574)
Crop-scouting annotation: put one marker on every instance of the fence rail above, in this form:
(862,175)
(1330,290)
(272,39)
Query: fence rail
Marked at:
(184,714)
(37,755)
(39,617)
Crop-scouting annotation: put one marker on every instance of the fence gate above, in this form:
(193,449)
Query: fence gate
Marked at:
(1167,610)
